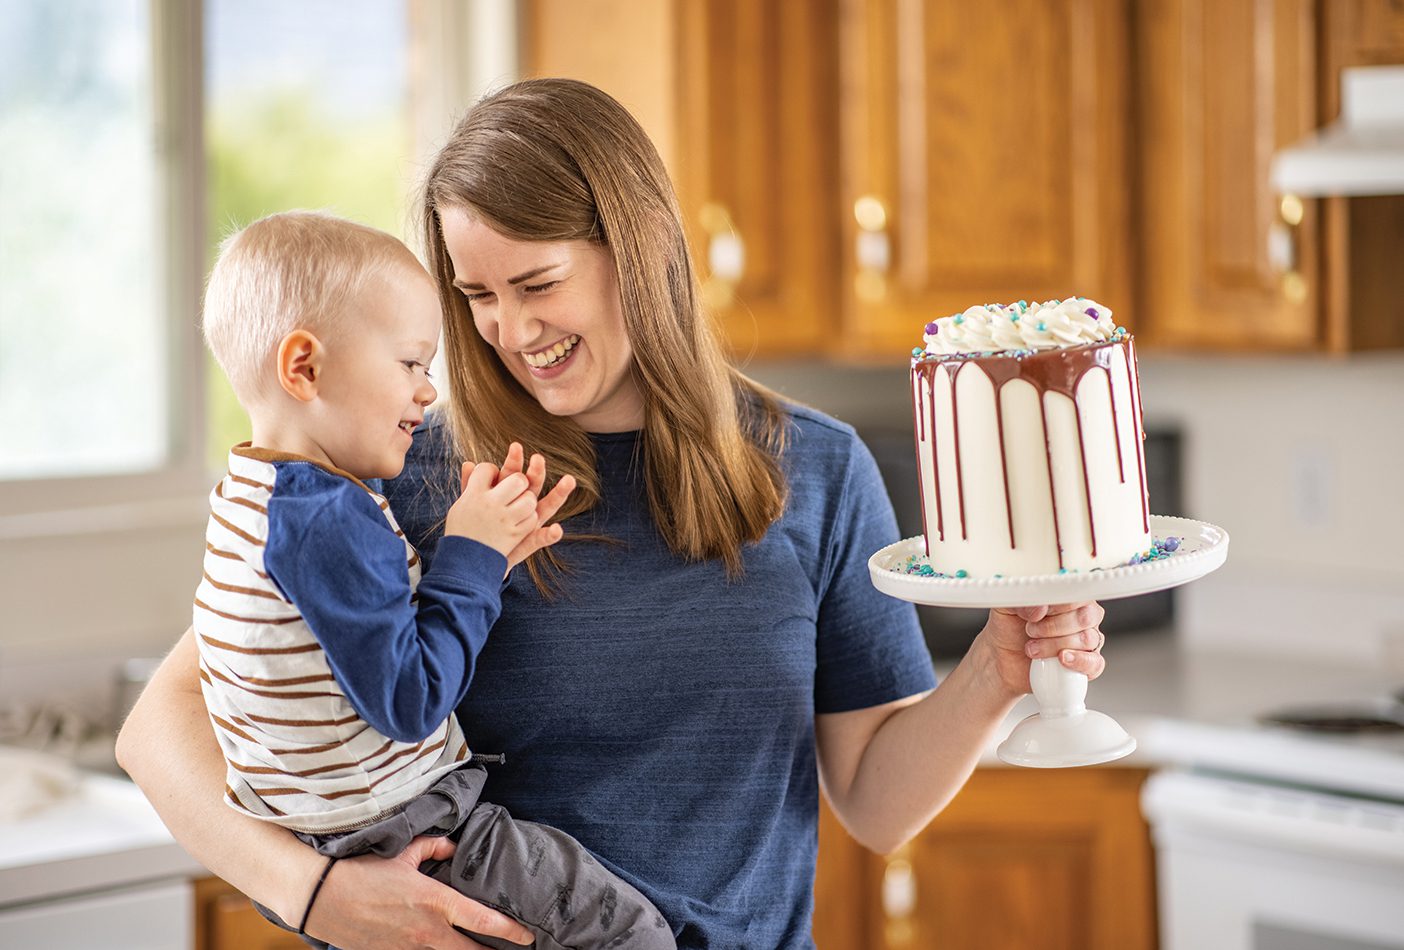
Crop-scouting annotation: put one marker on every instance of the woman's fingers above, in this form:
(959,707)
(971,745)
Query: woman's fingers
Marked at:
(1072,633)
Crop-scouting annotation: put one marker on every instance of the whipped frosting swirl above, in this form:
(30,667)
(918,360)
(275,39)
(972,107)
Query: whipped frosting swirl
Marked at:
(996,328)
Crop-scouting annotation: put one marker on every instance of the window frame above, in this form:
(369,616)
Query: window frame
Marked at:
(458,62)
(66,504)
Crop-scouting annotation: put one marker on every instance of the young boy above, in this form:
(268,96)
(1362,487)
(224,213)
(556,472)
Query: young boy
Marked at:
(329,666)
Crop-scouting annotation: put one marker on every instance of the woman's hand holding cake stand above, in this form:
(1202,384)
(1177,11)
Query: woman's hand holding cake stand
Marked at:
(1071,633)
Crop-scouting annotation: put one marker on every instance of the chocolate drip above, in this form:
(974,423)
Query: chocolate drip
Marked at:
(1133,372)
(955,436)
(1086,480)
(1052,492)
(1116,428)
(919,425)
(1004,467)
(1056,370)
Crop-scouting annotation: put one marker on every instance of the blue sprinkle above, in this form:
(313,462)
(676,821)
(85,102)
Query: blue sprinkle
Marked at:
(962,573)
(917,351)
(1013,318)
(1042,326)
(1136,559)
(959,319)
(1062,570)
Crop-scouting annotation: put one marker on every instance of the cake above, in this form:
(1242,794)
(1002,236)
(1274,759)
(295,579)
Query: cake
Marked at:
(1028,441)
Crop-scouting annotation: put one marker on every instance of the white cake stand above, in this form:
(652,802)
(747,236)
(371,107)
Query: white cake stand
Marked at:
(1064,732)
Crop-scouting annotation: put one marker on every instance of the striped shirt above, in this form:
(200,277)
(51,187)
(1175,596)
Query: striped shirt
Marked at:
(329,667)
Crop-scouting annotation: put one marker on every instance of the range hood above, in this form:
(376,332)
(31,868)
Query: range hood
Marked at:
(1362,152)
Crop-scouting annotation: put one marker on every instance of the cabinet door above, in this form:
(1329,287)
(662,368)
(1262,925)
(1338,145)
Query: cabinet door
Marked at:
(757,169)
(1027,859)
(1221,87)
(226,920)
(984,159)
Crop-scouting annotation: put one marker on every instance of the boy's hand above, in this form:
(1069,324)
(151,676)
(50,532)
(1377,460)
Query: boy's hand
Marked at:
(543,535)
(496,509)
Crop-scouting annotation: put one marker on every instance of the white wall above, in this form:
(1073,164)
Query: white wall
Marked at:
(1300,459)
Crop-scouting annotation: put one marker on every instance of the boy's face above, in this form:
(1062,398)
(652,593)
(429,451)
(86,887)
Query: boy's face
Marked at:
(375,378)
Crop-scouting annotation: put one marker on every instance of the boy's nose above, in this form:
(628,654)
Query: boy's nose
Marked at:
(426,394)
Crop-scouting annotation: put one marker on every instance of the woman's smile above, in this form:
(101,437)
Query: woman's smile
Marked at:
(552,357)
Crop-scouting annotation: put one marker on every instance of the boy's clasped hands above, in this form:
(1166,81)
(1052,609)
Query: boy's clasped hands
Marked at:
(504,508)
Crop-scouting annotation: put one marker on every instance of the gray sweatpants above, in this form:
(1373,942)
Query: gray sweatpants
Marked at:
(536,874)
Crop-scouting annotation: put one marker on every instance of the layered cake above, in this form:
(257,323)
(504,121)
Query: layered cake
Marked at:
(1028,441)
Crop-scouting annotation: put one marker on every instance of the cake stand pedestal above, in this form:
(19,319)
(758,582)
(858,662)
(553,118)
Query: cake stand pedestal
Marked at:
(1064,732)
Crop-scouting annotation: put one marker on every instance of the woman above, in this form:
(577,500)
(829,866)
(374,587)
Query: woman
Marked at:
(672,684)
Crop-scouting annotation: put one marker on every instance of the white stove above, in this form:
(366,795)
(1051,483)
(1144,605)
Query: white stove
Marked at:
(1270,837)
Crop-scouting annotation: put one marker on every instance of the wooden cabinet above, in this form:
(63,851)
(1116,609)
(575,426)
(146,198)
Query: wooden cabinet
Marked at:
(226,920)
(985,159)
(850,169)
(758,167)
(1023,859)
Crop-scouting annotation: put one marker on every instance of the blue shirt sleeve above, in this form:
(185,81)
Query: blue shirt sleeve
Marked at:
(870,648)
(403,666)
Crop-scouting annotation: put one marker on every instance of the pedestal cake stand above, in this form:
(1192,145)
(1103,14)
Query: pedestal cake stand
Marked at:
(1064,732)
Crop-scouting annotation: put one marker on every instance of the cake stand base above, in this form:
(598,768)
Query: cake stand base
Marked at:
(1059,742)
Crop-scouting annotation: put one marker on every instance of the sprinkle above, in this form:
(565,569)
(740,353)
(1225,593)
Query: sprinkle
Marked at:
(1136,559)
(962,573)
(917,352)
(933,328)
(1013,318)
(1042,326)
(1171,544)
(959,319)
(1062,570)
(1023,305)
(1092,312)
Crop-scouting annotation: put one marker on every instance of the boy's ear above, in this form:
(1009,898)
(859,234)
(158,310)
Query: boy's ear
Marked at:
(300,359)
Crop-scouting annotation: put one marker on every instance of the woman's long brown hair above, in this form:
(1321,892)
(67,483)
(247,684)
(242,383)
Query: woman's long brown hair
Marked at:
(559,160)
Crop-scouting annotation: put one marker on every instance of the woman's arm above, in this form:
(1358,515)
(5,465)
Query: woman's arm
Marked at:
(888,770)
(168,747)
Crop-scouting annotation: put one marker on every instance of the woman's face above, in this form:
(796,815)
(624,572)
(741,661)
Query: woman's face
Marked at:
(551,309)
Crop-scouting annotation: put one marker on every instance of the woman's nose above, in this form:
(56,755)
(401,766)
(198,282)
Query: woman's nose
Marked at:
(516,330)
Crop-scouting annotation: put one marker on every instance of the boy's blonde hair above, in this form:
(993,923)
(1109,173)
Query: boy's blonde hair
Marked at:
(295,270)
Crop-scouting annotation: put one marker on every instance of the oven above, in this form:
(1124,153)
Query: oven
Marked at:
(1269,837)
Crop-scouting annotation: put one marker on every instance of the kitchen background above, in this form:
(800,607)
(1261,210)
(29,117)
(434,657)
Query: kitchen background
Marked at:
(850,169)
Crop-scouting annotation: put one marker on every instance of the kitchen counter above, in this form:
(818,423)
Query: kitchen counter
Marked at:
(101,836)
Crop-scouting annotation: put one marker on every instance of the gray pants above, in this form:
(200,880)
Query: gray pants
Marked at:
(536,874)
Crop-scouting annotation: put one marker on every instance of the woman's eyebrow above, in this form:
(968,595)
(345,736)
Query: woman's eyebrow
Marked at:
(534,272)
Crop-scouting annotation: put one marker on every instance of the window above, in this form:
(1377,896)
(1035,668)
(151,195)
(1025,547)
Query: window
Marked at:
(134,134)
(84,347)
(307,105)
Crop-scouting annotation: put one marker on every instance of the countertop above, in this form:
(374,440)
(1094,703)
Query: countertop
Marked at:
(102,835)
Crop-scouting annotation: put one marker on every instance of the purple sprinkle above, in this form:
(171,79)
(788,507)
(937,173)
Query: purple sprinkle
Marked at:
(932,329)
(1171,544)
(1135,559)
(1092,312)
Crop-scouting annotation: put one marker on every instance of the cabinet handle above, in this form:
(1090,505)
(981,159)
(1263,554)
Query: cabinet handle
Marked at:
(899,899)
(873,250)
(1284,255)
(726,256)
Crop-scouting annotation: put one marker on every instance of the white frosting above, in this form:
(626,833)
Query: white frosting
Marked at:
(1019,326)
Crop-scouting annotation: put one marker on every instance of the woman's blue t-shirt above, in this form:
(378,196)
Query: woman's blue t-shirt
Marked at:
(663,714)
